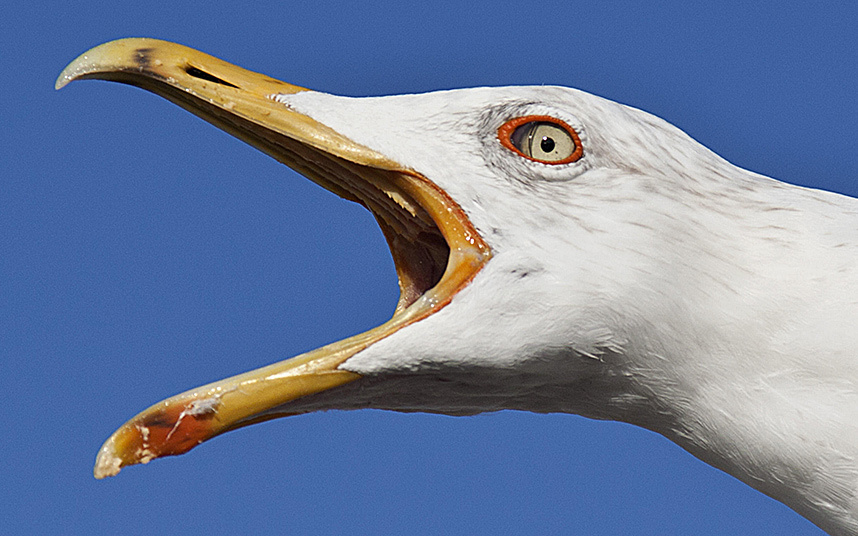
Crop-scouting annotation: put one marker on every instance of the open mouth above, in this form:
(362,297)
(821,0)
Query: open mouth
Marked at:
(436,249)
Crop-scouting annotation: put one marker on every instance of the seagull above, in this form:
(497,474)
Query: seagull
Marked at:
(556,252)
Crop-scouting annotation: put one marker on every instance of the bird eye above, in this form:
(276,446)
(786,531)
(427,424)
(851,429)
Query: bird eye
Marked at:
(541,138)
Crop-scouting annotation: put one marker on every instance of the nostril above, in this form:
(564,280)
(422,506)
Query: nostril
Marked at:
(202,75)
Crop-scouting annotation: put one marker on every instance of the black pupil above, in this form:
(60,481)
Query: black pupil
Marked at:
(547,144)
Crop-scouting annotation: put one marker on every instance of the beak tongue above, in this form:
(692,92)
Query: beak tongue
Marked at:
(241,103)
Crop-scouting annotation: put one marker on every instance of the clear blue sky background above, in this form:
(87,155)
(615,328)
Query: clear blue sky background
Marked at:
(143,252)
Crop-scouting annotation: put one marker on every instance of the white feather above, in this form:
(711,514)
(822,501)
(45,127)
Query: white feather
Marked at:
(650,282)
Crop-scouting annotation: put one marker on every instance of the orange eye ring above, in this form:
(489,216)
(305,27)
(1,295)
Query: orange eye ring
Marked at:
(507,135)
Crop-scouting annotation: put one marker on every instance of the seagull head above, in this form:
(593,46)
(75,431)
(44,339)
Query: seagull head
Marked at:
(539,234)
(556,252)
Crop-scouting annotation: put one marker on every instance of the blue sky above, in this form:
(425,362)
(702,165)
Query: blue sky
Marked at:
(143,252)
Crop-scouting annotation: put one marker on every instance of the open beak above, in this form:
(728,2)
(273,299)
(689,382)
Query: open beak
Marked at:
(435,247)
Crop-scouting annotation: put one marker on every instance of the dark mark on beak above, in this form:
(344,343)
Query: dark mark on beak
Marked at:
(141,57)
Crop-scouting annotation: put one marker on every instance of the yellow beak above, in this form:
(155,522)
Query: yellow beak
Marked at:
(406,204)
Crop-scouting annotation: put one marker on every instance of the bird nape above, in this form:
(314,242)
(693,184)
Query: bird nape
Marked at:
(556,252)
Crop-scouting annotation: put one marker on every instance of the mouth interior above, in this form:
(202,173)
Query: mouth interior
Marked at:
(414,232)
(419,248)
(420,251)
(435,248)
(428,233)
